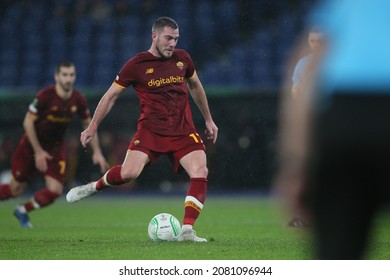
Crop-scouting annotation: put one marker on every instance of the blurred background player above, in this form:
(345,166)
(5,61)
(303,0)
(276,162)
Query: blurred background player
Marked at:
(337,136)
(161,77)
(41,150)
(316,43)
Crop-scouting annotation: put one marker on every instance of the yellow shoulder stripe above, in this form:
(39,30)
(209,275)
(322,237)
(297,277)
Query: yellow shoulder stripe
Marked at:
(192,75)
(119,85)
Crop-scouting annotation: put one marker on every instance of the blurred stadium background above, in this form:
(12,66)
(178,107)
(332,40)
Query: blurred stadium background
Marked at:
(239,49)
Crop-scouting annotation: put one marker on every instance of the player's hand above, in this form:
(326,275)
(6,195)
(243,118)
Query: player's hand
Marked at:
(98,158)
(41,159)
(86,137)
(211,131)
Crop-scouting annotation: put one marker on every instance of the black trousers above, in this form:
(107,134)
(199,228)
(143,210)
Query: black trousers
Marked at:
(348,172)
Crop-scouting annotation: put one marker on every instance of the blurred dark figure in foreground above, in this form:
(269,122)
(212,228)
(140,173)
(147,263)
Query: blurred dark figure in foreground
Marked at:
(316,44)
(334,144)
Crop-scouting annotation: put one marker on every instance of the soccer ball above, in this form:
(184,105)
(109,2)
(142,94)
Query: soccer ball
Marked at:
(164,227)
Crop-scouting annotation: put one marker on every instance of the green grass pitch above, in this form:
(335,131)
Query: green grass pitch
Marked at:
(107,228)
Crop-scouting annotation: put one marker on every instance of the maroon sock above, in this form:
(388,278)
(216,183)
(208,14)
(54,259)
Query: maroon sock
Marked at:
(5,192)
(194,200)
(41,199)
(111,178)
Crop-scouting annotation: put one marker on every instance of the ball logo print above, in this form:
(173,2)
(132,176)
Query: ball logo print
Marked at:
(164,227)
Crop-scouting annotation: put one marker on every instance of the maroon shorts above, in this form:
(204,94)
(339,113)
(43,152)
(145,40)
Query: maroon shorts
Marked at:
(23,163)
(176,147)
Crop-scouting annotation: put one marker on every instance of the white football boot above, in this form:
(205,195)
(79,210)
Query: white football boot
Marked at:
(188,234)
(81,192)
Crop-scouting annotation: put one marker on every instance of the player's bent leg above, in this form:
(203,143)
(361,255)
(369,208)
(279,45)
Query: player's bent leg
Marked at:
(45,196)
(133,164)
(41,198)
(117,175)
(131,168)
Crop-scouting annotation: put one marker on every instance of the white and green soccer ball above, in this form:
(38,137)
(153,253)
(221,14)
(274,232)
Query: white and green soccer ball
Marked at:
(164,227)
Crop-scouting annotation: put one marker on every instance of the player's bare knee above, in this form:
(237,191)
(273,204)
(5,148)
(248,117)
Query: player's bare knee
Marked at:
(129,175)
(200,172)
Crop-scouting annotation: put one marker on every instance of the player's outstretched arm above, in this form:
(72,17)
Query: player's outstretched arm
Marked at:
(199,96)
(103,108)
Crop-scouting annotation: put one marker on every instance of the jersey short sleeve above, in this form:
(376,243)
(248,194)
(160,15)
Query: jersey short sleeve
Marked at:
(127,75)
(38,104)
(190,70)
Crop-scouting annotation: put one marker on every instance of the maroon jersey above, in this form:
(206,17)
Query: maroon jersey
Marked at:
(161,87)
(54,115)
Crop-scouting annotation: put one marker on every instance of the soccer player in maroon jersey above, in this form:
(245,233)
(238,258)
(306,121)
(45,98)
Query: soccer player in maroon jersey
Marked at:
(41,150)
(160,77)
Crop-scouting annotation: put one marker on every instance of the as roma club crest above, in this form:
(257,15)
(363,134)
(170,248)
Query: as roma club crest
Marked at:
(180,65)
